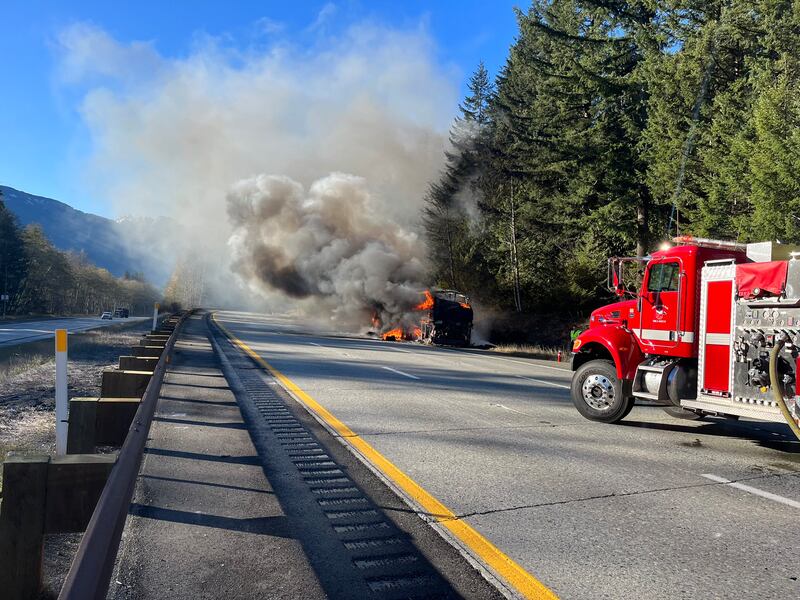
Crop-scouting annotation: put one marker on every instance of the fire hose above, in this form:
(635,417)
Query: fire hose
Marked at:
(777,387)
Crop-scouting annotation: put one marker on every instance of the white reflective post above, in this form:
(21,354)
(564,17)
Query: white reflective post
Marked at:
(155,316)
(62,402)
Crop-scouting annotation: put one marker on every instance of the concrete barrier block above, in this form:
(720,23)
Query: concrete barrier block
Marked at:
(124,384)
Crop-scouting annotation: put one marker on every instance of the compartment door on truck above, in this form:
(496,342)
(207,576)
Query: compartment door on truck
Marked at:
(716,323)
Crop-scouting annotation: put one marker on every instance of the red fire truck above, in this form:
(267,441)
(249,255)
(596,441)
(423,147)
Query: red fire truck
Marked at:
(712,327)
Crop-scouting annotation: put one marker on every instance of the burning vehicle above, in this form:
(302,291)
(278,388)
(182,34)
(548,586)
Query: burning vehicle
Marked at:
(443,317)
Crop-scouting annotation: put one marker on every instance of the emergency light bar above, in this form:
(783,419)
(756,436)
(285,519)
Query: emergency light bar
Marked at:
(709,243)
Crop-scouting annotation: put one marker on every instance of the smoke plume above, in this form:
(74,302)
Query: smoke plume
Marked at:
(332,246)
(172,136)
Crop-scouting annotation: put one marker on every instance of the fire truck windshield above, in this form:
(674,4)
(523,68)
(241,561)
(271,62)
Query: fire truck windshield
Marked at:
(664,277)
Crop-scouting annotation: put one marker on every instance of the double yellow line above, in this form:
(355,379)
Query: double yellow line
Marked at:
(517,578)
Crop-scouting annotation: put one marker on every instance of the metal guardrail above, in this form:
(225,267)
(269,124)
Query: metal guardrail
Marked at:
(90,574)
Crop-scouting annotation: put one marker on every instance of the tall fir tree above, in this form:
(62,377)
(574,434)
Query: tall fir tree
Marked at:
(567,117)
(450,212)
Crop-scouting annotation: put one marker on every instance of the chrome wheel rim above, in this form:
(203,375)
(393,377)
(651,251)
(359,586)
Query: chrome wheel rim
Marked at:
(598,392)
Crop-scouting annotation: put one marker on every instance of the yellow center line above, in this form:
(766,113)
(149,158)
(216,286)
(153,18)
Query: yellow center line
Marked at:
(522,582)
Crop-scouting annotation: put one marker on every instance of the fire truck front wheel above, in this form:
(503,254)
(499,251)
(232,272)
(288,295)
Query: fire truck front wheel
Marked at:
(598,393)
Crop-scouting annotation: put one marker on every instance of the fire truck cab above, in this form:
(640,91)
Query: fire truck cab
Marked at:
(696,337)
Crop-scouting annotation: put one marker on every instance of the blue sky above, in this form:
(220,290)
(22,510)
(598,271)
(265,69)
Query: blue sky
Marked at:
(44,142)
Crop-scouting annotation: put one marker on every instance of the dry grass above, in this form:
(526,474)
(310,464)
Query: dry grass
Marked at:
(532,351)
(22,363)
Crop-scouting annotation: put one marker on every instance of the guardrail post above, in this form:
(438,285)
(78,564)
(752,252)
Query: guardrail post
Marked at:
(154,340)
(124,384)
(114,418)
(147,350)
(82,426)
(74,484)
(138,363)
(43,495)
(22,521)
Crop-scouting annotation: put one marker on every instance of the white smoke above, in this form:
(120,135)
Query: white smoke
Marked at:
(171,136)
(331,247)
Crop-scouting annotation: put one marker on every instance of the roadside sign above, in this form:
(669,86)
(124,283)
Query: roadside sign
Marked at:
(4,297)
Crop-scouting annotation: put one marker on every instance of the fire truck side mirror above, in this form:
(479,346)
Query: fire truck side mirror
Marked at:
(615,272)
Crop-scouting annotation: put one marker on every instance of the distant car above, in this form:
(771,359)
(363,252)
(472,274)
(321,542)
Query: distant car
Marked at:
(122,313)
(107,315)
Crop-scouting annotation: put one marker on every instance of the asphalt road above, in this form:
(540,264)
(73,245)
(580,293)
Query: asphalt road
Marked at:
(12,333)
(638,510)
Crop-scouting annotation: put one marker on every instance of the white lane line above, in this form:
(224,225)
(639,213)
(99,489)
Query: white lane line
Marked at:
(533,364)
(752,490)
(542,381)
(504,407)
(20,330)
(400,373)
(399,349)
(315,344)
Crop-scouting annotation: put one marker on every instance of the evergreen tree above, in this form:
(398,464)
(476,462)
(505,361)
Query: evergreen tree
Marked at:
(450,214)
(48,278)
(476,104)
(772,178)
(706,86)
(567,116)
(12,257)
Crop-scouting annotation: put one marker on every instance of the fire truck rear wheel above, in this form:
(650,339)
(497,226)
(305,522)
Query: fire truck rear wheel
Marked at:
(598,394)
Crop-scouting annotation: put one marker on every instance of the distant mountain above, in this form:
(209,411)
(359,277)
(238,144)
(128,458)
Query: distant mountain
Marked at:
(102,240)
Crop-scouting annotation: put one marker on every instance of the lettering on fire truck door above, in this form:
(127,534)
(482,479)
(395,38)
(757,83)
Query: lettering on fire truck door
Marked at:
(717,337)
(660,319)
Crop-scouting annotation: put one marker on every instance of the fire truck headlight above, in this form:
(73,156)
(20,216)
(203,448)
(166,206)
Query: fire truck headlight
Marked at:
(576,344)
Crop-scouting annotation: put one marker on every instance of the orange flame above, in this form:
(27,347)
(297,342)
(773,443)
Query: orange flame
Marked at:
(399,334)
(394,334)
(426,304)
(410,333)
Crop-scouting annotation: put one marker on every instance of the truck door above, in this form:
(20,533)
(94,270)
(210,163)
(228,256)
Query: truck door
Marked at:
(662,303)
